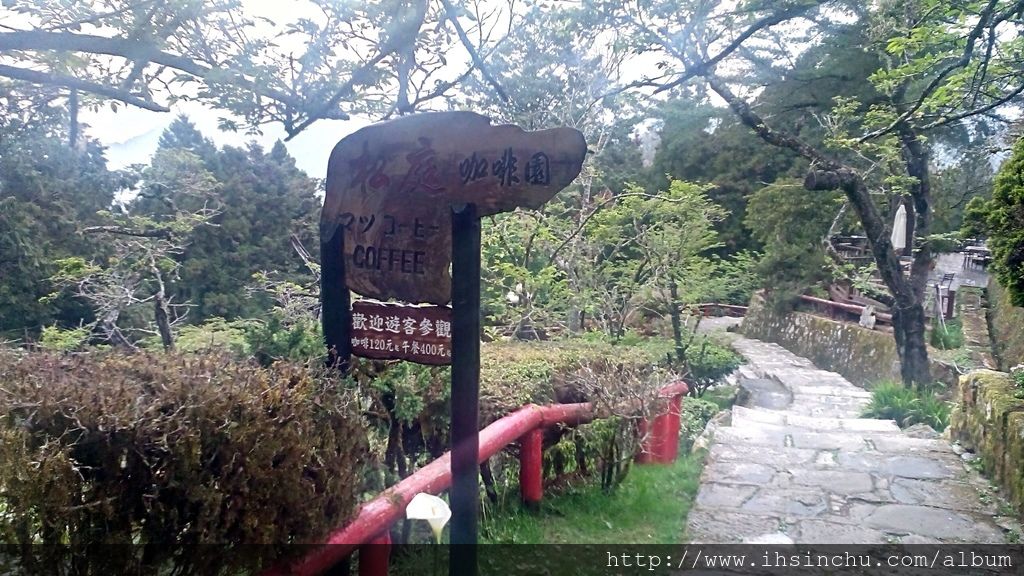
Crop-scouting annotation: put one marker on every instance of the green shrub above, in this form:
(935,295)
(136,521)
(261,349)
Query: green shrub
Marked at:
(894,401)
(516,373)
(172,452)
(932,411)
(272,340)
(948,338)
(944,243)
(1003,220)
(694,418)
(408,408)
(63,340)
(1017,377)
(212,336)
(708,364)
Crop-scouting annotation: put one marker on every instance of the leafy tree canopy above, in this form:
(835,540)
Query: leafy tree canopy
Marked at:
(1003,220)
(262,201)
(47,192)
(332,60)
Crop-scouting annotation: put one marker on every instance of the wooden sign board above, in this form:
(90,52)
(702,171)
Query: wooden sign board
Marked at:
(421,334)
(391,186)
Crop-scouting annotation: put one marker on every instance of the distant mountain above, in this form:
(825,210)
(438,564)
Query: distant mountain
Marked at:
(311,148)
(136,150)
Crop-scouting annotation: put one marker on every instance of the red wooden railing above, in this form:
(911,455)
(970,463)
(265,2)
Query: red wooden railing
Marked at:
(369,531)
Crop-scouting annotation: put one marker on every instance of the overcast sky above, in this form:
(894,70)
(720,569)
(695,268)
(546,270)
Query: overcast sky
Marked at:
(131,134)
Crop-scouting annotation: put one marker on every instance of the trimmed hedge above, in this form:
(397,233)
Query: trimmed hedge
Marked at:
(177,453)
(516,373)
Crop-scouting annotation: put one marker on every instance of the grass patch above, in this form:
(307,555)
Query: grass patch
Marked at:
(949,337)
(894,401)
(723,396)
(649,507)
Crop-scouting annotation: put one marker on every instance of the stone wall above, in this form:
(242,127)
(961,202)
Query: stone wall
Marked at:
(1007,327)
(862,356)
(989,419)
(975,327)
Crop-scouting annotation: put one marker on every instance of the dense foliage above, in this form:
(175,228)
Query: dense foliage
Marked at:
(1002,218)
(794,255)
(906,406)
(45,194)
(172,452)
(262,200)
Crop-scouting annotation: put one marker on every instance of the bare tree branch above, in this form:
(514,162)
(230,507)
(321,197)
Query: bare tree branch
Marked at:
(137,51)
(477,60)
(122,231)
(50,79)
(984,20)
(700,69)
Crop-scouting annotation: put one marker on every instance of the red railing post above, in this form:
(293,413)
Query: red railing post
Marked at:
(374,555)
(670,440)
(661,435)
(531,468)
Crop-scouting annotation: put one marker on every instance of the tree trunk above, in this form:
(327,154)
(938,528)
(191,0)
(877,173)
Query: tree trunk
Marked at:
(913,351)
(908,311)
(908,328)
(575,320)
(163,322)
(113,333)
(829,174)
(677,321)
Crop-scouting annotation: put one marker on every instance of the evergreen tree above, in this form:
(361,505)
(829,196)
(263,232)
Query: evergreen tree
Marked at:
(700,143)
(1004,221)
(262,198)
(47,192)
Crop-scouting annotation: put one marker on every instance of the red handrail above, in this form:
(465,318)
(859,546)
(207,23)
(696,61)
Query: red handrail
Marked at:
(376,516)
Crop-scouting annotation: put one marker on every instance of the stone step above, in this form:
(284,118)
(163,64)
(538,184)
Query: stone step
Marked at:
(835,408)
(777,437)
(754,465)
(833,391)
(747,371)
(821,401)
(725,514)
(753,418)
(815,471)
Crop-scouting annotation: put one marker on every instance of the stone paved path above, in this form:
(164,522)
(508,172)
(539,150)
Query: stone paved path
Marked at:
(814,472)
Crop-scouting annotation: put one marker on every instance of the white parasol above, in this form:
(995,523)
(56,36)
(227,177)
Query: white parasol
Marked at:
(899,229)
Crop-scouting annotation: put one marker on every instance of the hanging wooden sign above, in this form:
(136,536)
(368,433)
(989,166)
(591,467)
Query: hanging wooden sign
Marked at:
(390,187)
(421,334)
